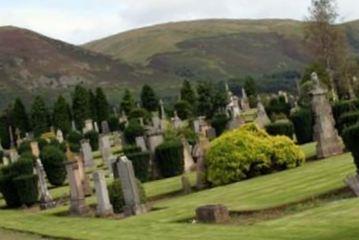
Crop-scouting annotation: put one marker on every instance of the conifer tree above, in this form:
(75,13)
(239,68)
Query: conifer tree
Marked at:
(80,106)
(20,117)
(127,103)
(102,106)
(149,99)
(187,93)
(39,116)
(205,101)
(93,105)
(61,115)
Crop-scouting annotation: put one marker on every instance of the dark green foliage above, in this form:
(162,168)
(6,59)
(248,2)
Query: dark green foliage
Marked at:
(133,130)
(116,195)
(61,116)
(188,94)
(114,123)
(184,109)
(23,166)
(278,106)
(281,128)
(53,160)
(342,107)
(26,187)
(127,103)
(250,86)
(137,113)
(93,105)
(93,137)
(20,117)
(149,99)
(8,191)
(205,103)
(303,125)
(219,122)
(140,162)
(4,132)
(169,156)
(347,120)
(350,137)
(102,106)
(24,147)
(80,106)
(131,149)
(39,117)
(74,139)
(219,99)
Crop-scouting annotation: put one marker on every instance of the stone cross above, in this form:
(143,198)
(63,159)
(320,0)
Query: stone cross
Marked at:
(140,142)
(130,190)
(328,141)
(77,196)
(188,160)
(59,136)
(104,207)
(86,152)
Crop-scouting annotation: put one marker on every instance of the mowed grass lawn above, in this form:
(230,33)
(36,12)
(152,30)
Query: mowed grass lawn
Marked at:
(335,220)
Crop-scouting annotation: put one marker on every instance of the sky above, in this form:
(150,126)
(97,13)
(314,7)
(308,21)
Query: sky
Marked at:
(81,21)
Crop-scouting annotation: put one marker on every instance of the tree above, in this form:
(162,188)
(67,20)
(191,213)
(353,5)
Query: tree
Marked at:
(327,42)
(39,116)
(61,115)
(80,106)
(187,93)
(20,117)
(127,103)
(184,109)
(149,99)
(250,86)
(102,106)
(93,105)
(204,105)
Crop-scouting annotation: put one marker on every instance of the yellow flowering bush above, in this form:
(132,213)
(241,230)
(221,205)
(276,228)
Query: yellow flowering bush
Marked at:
(248,152)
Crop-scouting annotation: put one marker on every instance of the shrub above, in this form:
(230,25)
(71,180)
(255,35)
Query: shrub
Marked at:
(139,113)
(141,162)
(347,120)
(24,147)
(8,191)
(114,123)
(248,152)
(219,122)
(74,139)
(350,137)
(278,106)
(281,128)
(169,156)
(130,149)
(116,195)
(184,109)
(303,125)
(341,107)
(133,130)
(53,160)
(26,187)
(93,136)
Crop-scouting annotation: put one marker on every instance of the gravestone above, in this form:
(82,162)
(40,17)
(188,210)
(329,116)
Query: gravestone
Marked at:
(96,127)
(156,121)
(235,123)
(233,106)
(211,133)
(199,151)
(176,121)
(105,128)
(46,200)
(77,196)
(14,156)
(353,183)
(73,126)
(59,136)
(188,160)
(83,176)
(163,116)
(153,141)
(104,207)
(186,185)
(18,137)
(141,143)
(328,141)
(196,126)
(262,117)
(86,152)
(130,190)
(12,140)
(244,101)
(105,149)
(88,126)
(212,214)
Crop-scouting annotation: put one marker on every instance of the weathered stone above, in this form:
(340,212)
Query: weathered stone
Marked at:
(105,149)
(59,136)
(328,141)
(156,121)
(46,200)
(12,139)
(86,152)
(14,156)
(244,101)
(104,207)
(353,183)
(88,126)
(186,185)
(83,176)
(105,128)
(130,190)
(235,123)
(198,153)
(141,143)
(96,127)
(176,121)
(212,214)
(153,141)
(262,117)
(188,159)
(211,133)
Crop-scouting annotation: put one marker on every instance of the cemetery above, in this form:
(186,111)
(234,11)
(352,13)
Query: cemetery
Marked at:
(215,160)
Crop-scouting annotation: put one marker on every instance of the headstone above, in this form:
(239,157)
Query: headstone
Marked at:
(211,133)
(153,141)
(130,190)
(83,176)
(196,126)
(18,137)
(86,152)
(5,161)
(198,153)
(105,149)
(262,117)
(140,142)
(14,156)
(117,139)
(353,183)
(59,136)
(104,207)
(176,121)
(12,140)
(235,123)
(244,101)
(328,141)
(163,116)
(77,195)
(186,185)
(88,126)
(188,160)
(156,121)
(73,126)
(105,128)
(96,127)
(233,106)
(212,214)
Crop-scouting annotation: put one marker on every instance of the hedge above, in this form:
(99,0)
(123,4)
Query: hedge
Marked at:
(302,120)
(347,120)
(116,195)
(26,187)
(140,162)
(169,156)
(350,137)
(133,130)
(341,107)
(24,147)
(248,152)
(281,128)
(93,137)
(74,138)
(8,191)
(53,160)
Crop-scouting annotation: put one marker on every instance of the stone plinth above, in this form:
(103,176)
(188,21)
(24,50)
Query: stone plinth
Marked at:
(212,214)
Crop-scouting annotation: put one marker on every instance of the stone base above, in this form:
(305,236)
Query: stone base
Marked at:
(134,210)
(104,213)
(212,214)
(78,207)
(329,149)
(353,183)
(47,205)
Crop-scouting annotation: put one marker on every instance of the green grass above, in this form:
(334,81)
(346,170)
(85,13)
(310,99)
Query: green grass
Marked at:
(11,235)
(336,220)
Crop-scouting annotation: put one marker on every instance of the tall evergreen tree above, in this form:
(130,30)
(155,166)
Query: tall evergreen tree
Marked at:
(102,106)
(250,86)
(20,117)
(61,115)
(149,99)
(187,93)
(80,106)
(127,103)
(93,105)
(39,116)
(205,101)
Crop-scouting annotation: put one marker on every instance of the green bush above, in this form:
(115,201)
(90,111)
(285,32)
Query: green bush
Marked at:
(26,187)
(169,156)
(24,147)
(140,162)
(74,138)
(281,128)
(93,136)
(278,106)
(219,122)
(303,125)
(53,160)
(184,109)
(130,149)
(114,123)
(350,137)
(248,152)
(133,130)
(347,120)
(8,191)
(341,107)
(116,195)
